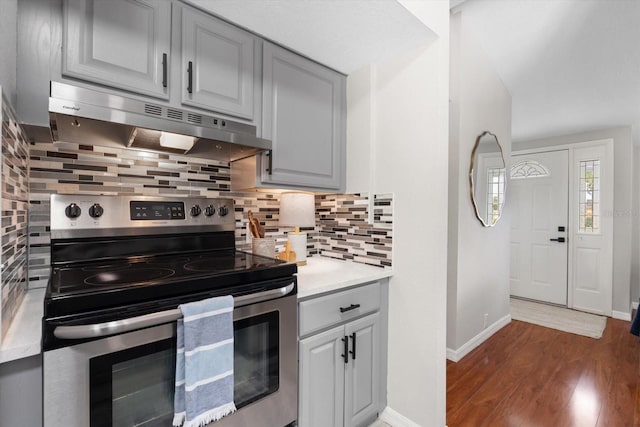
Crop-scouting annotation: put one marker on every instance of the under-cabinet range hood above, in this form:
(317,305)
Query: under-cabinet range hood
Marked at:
(92,117)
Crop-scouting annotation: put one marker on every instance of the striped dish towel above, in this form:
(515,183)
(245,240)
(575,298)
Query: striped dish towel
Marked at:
(204,362)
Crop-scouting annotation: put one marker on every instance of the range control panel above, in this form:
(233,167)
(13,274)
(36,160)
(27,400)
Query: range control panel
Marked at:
(147,210)
(90,215)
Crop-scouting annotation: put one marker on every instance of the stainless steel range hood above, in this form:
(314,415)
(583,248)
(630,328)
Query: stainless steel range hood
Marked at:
(91,117)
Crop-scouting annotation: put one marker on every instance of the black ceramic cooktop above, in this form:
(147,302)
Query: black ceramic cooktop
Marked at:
(98,284)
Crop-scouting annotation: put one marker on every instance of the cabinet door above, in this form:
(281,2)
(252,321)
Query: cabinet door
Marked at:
(362,382)
(303,114)
(118,43)
(217,65)
(322,367)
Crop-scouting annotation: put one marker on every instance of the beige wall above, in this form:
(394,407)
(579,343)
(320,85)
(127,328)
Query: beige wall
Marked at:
(478,257)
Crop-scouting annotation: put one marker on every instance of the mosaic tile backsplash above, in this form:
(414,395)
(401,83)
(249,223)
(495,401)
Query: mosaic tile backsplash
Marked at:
(341,231)
(14,175)
(344,232)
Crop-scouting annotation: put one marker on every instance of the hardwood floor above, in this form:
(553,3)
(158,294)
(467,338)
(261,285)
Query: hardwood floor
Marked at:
(529,376)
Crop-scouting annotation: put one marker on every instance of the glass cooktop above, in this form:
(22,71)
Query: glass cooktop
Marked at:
(97,285)
(154,271)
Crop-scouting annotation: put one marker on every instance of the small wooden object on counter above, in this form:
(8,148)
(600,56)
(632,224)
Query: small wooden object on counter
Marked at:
(257,230)
(287,255)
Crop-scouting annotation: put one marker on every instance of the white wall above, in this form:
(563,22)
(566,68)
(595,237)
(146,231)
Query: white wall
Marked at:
(635,227)
(8,48)
(397,120)
(478,257)
(623,205)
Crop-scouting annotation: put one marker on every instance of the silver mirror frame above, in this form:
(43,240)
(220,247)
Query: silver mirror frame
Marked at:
(471,182)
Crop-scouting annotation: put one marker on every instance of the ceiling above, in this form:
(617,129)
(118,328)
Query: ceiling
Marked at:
(570,65)
(345,35)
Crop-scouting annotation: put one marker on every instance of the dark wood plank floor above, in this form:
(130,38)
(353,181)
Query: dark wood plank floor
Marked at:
(529,376)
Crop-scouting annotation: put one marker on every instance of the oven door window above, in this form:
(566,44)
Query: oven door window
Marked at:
(133,387)
(256,357)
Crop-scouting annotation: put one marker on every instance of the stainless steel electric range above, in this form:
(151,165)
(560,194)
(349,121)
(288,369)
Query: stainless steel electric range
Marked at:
(121,265)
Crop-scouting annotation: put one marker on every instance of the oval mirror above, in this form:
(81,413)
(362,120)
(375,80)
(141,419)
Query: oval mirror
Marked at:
(487,179)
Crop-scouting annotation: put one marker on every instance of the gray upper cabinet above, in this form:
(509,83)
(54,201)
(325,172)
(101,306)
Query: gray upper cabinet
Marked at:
(118,43)
(218,63)
(190,59)
(303,114)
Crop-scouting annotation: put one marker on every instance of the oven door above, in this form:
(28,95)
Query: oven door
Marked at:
(128,379)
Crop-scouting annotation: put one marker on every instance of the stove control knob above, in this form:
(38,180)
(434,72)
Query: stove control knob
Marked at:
(209,210)
(195,210)
(223,210)
(96,211)
(73,211)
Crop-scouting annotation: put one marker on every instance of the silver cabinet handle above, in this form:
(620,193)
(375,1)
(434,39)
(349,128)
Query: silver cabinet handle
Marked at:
(131,324)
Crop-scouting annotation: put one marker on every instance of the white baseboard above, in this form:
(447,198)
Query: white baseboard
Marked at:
(456,355)
(621,315)
(396,419)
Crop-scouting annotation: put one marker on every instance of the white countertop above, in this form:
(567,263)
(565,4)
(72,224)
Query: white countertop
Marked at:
(25,333)
(322,275)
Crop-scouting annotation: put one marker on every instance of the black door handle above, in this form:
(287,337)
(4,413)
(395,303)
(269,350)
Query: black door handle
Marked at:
(164,70)
(353,352)
(190,73)
(345,354)
(269,155)
(351,307)
(559,239)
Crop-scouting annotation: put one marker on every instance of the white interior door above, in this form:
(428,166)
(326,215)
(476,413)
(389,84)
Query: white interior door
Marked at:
(539,197)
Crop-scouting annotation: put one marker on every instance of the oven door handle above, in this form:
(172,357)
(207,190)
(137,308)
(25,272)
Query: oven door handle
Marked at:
(76,332)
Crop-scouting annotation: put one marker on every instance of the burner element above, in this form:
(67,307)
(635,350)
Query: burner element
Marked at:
(125,277)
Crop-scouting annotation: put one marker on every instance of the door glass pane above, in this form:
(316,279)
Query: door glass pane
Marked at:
(256,358)
(495,193)
(528,169)
(134,387)
(589,196)
(143,390)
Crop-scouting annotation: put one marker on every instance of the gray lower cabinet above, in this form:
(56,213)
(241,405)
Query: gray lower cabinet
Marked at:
(339,375)
(303,113)
(21,392)
(119,43)
(321,377)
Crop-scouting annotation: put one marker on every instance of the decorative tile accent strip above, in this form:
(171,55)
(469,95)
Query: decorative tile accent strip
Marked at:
(83,169)
(14,175)
(344,232)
